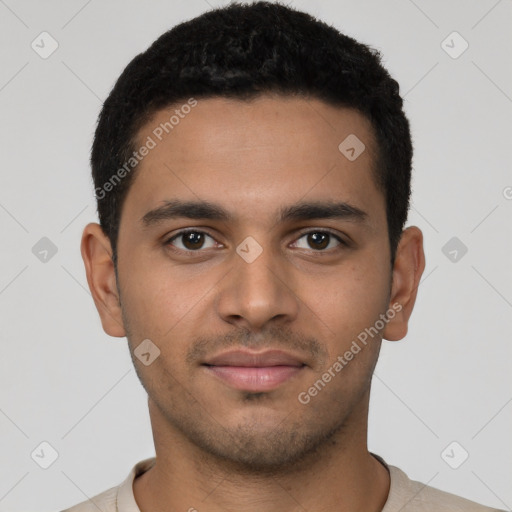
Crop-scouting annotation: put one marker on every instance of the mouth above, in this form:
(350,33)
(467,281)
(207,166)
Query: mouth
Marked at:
(255,372)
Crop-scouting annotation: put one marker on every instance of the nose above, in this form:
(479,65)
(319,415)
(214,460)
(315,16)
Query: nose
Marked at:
(256,293)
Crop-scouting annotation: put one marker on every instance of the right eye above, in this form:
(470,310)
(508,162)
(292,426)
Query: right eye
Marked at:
(189,240)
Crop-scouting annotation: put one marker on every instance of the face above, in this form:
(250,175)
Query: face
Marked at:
(252,293)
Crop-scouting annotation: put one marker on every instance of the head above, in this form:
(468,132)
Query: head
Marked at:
(281,146)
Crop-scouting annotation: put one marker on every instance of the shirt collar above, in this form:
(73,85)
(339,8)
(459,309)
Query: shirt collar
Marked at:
(125,500)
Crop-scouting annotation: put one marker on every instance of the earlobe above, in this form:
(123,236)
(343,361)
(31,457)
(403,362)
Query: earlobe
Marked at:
(407,271)
(99,267)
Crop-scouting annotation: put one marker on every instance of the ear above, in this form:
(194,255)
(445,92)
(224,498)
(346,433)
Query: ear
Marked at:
(99,267)
(407,270)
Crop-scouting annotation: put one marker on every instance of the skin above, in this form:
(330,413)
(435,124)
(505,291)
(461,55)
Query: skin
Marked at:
(219,448)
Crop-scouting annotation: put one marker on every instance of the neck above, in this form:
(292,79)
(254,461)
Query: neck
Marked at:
(341,475)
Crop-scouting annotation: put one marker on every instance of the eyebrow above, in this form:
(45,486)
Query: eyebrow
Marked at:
(201,210)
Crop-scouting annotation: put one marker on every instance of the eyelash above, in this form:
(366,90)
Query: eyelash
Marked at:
(167,243)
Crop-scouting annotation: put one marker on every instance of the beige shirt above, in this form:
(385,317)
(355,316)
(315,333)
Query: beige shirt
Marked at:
(404,496)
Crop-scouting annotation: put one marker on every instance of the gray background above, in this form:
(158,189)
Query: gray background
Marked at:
(65,382)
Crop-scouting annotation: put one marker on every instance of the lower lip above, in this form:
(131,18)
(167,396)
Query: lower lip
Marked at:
(254,378)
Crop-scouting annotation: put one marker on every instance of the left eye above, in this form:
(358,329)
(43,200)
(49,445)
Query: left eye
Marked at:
(193,241)
(320,240)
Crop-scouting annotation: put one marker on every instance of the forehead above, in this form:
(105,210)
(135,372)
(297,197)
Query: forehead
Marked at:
(256,157)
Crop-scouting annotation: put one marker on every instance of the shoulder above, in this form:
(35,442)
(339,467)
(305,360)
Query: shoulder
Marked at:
(116,499)
(106,502)
(410,496)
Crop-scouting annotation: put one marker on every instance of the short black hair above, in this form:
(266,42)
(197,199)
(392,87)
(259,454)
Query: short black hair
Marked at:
(244,51)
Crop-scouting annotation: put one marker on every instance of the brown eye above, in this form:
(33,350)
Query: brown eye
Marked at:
(320,240)
(193,240)
(190,241)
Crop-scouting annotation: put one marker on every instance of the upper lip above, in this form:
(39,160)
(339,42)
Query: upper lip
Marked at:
(255,359)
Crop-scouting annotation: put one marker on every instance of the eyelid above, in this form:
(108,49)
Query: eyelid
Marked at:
(331,232)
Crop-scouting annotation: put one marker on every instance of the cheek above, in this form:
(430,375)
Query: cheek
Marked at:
(156,308)
(166,303)
(153,301)
(349,300)
(159,306)
(351,296)
(346,308)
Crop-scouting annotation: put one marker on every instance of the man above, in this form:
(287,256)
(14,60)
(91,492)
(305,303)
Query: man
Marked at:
(252,172)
